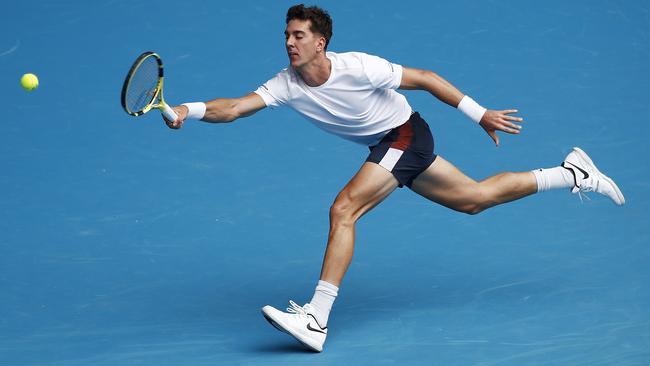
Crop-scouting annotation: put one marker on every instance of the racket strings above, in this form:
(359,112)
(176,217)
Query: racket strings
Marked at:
(143,85)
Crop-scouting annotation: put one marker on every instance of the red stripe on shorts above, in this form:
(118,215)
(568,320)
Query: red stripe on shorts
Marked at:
(404,137)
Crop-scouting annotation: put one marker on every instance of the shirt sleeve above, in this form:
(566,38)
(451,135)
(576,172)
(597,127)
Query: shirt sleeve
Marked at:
(275,92)
(381,73)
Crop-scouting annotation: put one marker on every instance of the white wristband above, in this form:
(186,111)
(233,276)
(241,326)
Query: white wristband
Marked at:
(471,109)
(195,110)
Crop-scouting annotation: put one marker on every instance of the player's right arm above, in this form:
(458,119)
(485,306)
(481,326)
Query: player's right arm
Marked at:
(222,110)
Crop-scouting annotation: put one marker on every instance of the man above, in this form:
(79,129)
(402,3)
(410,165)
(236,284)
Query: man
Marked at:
(353,95)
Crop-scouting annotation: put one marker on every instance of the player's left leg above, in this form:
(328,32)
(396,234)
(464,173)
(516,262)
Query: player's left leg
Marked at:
(443,183)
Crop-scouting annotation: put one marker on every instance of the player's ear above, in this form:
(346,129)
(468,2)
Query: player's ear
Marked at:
(321,44)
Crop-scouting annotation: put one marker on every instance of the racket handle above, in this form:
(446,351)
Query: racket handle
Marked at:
(168,112)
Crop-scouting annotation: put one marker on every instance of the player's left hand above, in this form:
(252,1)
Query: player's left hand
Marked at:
(493,121)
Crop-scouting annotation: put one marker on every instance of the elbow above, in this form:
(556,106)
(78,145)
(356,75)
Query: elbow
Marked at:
(428,74)
(231,116)
(231,113)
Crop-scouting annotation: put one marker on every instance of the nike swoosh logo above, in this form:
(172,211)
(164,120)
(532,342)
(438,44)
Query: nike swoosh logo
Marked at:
(314,330)
(586,175)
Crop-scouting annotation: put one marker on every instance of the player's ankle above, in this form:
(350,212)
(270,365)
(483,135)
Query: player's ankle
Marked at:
(323,300)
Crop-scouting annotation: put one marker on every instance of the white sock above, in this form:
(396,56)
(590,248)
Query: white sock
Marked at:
(323,300)
(553,178)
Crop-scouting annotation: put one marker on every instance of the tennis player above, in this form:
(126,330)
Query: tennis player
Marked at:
(353,95)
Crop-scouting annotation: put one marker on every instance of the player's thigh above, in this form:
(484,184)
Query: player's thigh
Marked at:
(371,185)
(445,184)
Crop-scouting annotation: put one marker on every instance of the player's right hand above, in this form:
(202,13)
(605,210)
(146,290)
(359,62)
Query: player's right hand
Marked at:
(181,112)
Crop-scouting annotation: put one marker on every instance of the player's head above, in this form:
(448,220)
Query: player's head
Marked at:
(308,32)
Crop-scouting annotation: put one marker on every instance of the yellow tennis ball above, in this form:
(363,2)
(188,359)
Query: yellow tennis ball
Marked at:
(29,82)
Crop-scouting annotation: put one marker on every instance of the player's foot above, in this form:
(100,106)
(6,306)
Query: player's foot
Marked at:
(589,179)
(298,322)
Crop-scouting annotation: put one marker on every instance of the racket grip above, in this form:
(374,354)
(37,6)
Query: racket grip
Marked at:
(168,112)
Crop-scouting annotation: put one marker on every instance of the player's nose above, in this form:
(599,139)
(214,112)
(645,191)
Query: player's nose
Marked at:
(289,42)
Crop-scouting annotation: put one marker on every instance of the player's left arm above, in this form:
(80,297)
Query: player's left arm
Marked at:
(491,120)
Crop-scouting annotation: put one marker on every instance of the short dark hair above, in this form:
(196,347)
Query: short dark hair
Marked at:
(321,22)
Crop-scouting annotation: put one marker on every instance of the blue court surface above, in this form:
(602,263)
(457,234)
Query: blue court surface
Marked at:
(125,243)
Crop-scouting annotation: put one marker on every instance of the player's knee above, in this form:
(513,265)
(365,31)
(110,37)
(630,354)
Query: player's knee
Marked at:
(342,212)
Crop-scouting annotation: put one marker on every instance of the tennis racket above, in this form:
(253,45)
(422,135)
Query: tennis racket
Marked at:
(143,87)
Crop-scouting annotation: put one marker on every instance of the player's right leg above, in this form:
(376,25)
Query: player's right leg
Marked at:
(308,323)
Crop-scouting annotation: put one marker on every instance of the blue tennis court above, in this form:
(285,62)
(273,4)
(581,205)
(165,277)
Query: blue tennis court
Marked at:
(126,243)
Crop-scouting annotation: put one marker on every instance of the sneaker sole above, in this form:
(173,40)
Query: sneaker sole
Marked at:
(583,155)
(279,326)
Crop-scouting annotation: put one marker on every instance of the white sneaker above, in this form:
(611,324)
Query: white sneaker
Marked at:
(589,179)
(298,322)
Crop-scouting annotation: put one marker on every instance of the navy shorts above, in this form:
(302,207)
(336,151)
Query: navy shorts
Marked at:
(406,151)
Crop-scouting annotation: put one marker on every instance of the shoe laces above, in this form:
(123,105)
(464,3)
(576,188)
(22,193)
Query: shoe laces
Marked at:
(297,309)
(588,185)
(582,194)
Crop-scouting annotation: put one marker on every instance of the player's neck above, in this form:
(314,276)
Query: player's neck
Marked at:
(316,72)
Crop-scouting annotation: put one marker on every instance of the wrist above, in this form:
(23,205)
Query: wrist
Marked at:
(471,109)
(195,110)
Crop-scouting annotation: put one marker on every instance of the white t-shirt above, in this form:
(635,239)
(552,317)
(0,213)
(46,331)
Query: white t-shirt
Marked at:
(358,101)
